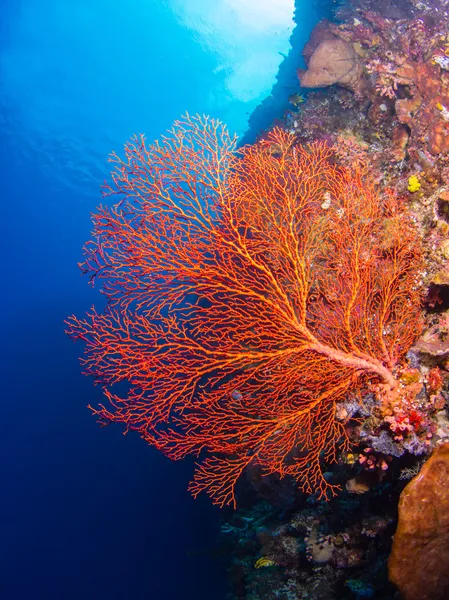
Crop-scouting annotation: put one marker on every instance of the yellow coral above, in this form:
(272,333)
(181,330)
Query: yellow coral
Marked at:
(350,458)
(413,184)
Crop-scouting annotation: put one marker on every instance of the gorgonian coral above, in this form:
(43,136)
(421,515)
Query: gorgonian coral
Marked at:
(248,292)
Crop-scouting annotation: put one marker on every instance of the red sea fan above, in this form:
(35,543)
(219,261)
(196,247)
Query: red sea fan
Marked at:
(248,293)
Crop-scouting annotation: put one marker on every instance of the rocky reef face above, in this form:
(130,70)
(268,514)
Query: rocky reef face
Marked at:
(379,72)
(401,66)
(376,88)
(381,75)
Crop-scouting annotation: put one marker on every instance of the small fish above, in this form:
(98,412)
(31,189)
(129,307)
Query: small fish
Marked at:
(264,562)
(236,395)
(296,99)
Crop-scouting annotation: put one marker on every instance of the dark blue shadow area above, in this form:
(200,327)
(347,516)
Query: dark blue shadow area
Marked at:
(85,512)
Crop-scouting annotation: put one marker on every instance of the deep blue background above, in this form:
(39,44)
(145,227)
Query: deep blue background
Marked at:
(84,512)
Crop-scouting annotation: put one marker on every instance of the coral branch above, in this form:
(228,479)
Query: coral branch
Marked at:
(248,293)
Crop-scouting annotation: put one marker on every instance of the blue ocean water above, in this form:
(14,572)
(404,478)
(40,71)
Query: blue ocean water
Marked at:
(85,512)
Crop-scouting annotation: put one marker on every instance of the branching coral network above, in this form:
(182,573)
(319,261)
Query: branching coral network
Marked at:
(249,291)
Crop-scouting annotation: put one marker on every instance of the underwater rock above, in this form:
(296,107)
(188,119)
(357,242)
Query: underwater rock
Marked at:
(320,33)
(333,61)
(279,492)
(399,142)
(419,560)
(435,341)
(357,485)
(438,138)
(442,420)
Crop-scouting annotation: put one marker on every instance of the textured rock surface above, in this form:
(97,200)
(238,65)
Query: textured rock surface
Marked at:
(419,561)
(333,61)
